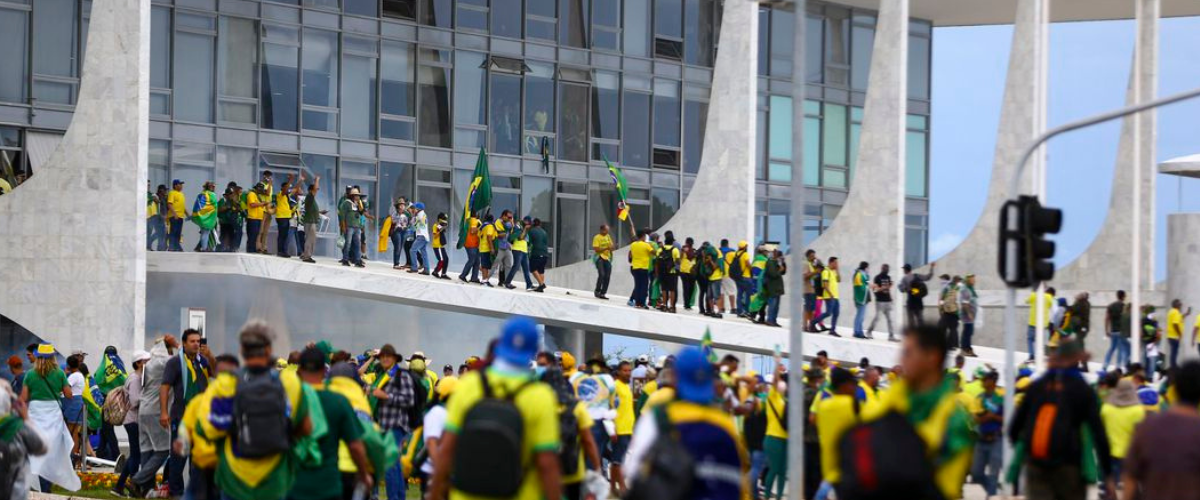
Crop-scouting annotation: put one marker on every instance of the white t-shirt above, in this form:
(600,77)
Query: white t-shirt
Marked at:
(435,422)
(77,382)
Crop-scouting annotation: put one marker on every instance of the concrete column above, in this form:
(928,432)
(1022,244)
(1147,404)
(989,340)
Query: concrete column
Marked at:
(580,343)
(1183,266)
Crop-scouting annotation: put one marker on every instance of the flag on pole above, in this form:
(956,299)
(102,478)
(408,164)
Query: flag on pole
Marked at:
(706,346)
(622,190)
(479,196)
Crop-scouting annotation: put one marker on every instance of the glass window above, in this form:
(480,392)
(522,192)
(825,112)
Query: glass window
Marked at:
(914,246)
(472,15)
(918,67)
(835,135)
(760,154)
(813,48)
(780,144)
(837,46)
(695,121)
(606,106)
(435,198)
(55,37)
(238,57)
(637,28)
(470,92)
(398,78)
(358,95)
(574,23)
(668,15)
(160,47)
(782,28)
(812,151)
(541,19)
(320,67)
(698,25)
(433,92)
(13,30)
(764,40)
(664,203)
(194,80)
(666,113)
(404,9)
(506,18)
(606,24)
(436,12)
(159,156)
(635,148)
(281,78)
(537,200)
(539,97)
(573,141)
(862,43)
(506,114)
(916,167)
(234,164)
(368,8)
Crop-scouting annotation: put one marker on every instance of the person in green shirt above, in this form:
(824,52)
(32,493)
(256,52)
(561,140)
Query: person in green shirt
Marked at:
(539,253)
(351,226)
(311,218)
(324,482)
(862,297)
(231,216)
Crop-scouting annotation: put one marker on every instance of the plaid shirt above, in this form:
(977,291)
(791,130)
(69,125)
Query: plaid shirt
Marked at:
(393,411)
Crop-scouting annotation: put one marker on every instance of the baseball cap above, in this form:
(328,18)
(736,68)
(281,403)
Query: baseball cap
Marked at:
(176,181)
(694,376)
(140,355)
(419,205)
(518,341)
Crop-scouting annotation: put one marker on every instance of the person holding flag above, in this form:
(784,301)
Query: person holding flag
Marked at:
(479,198)
(110,375)
(204,214)
(622,196)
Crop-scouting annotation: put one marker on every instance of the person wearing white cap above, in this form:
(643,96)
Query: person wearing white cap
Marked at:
(133,395)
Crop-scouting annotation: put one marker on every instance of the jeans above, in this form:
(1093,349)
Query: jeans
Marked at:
(1030,336)
(472,265)
(968,331)
(603,275)
(833,308)
(1174,345)
(175,237)
(745,288)
(985,466)
(350,251)
(281,240)
(913,315)
(397,238)
(1119,345)
(135,455)
(253,227)
(758,462)
(702,299)
(860,315)
(207,240)
(408,245)
(236,242)
(156,230)
(395,474)
(520,260)
(773,310)
(145,475)
(641,286)
(175,466)
(201,484)
(420,251)
(883,309)
(949,327)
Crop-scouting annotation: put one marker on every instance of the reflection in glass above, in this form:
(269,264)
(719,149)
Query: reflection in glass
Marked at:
(472,15)
(470,92)
(764,41)
(918,67)
(433,92)
(320,68)
(837,47)
(55,37)
(326,167)
(812,151)
(160,47)
(698,25)
(506,18)
(574,23)
(637,28)
(13,30)
(666,113)
(238,57)
(695,122)
(537,199)
(397,90)
(780,146)
(571,240)
(636,122)
(368,8)
(916,167)
(573,141)
(835,135)
(404,9)
(435,198)
(606,24)
(539,97)
(663,205)
(541,20)
(194,80)
(506,114)
(862,43)
(812,48)
(234,164)
(781,43)
(606,105)
(358,97)
(280,80)
(667,18)
(436,12)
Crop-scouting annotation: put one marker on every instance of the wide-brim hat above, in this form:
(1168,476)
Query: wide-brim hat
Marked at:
(44,351)
(1124,394)
(353,191)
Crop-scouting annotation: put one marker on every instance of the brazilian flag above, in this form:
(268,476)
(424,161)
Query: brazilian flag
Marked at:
(622,190)
(479,196)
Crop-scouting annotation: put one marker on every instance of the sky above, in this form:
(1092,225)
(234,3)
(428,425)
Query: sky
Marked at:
(1089,74)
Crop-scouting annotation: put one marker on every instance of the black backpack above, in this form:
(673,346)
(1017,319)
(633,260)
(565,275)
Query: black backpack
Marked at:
(489,460)
(261,423)
(664,263)
(1050,433)
(568,436)
(416,413)
(668,469)
(735,268)
(883,457)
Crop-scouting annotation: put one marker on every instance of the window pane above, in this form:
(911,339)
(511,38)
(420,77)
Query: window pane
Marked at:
(160,47)
(239,54)
(362,7)
(13,30)
(607,24)
(358,97)
(470,92)
(862,43)
(781,128)
(398,78)
(663,205)
(779,172)
(194,80)
(326,167)
(234,164)
(55,26)
(506,18)
(812,48)
(698,32)
(835,178)
(395,181)
(637,28)
(855,131)
(574,23)
(695,121)
(436,12)
(837,47)
(539,97)
(915,168)
(433,90)
(573,140)
(764,41)
(918,67)
(158,156)
(636,123)
(666,113)
(667,17)
(835,135)
(606,106)
(537,200)
(760,154)
(781,43)
(473,19)
(812,151)
(320,68)
(506,114)
(404,9)
(280,86)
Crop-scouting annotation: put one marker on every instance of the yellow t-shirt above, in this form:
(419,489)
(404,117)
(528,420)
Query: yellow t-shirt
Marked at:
(603,241)
(624,421)
(538,407)
(283,206)
(1047,303)
(717,273)
(175,205)
(642,253)
(744,257)
(151,208)
(486,236)
(1174,324)
(830,277)
(686,264)
(252,212)
(776,409)
(522,244)
(660,397)
(437,237)
(585,425)
(1119,423)
(835,415)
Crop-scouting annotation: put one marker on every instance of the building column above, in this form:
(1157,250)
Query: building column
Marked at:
(580,343)
(1183,265)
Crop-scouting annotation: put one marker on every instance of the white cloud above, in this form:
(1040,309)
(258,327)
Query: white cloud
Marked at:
(941,245)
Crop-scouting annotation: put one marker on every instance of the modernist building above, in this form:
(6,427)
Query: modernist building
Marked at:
(397,97)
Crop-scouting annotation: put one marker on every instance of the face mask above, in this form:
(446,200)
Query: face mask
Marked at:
(417,365)
(539,371)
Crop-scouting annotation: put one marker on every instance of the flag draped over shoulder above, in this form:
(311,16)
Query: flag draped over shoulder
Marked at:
(111,373)
(479,196)
(622,190)
(706,346)
(204,211)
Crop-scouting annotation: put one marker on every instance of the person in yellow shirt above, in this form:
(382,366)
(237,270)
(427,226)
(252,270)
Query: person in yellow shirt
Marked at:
(1045,304)
(176,214)
(256,208)
(641,252)
(1196,330)
(867,391)
(830,298)
(1175,328)
(738,264)
(624,425)
(284,210)
(988,409)
(267,195)
(687,274)
(439,245)
(834,416)
(487,238)
(776,441)
(602,245)
(1121,413)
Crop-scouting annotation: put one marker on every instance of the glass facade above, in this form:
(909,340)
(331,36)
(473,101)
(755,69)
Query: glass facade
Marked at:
(398,96)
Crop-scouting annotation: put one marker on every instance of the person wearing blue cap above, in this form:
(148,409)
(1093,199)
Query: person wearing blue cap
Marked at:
(481,454)
(419,223)
(708,434)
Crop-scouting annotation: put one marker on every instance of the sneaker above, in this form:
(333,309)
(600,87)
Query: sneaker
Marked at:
(309,260)
(509,286)
(462,278)
(777,325)
(475,281)
(603,297)
(359,264)
(488,284)
(833,334)
(892,338)
(117,492)
(344,262)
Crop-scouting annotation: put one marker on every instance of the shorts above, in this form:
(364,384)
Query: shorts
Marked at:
(728,285)
(538,264)
(714,289)
(618,449)
(669,283)
(810,302)
(73,410)
(485,260)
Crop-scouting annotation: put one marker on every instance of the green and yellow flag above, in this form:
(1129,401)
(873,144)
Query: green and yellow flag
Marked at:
(479,196)
(622,190)
(706,346)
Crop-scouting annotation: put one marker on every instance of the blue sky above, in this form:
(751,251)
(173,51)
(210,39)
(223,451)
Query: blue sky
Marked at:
(1089,72)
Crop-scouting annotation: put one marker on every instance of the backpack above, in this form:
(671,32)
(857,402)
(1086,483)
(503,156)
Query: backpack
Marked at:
(568,436)
(950,300)
(735,268)
(489,460)
(1052,432)
(668,469)
(416,413)
(664,263)
(261,423)
(919,290)
(882,457)
(116,405)
(819,284)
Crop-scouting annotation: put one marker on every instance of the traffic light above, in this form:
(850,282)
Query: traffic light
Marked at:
(1025,252)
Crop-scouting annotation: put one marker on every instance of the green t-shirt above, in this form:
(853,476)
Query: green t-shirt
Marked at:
(539,242)
(48,388)
(348,212)
(312,212)
(326,481)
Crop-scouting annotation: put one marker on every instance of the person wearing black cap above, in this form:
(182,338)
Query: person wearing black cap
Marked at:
(324,481)
(176,214)
(232,216)
(912,287)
